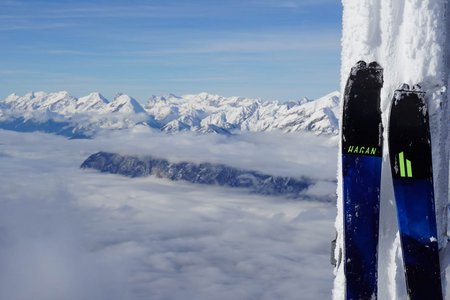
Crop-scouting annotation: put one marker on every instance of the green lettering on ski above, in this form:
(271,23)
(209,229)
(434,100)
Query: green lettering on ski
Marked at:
(362,150)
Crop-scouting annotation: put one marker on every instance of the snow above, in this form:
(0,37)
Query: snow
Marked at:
(92,102)
(67,233)
(125,104)
(409,40)
(173,113)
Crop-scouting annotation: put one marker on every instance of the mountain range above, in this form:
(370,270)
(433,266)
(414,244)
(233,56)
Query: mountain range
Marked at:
(203,173)
(64,114)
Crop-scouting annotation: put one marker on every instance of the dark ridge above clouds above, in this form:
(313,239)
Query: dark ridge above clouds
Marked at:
(203,173)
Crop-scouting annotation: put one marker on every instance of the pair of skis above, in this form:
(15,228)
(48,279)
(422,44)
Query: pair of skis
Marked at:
(411,166)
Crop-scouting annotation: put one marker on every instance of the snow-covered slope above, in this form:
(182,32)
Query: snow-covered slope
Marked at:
(61,102)
(409,39)
(201,113)
(194,112)
(92,102)
(125,104)
(317,115)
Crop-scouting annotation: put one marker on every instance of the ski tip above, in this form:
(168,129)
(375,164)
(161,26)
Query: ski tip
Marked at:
(364,75)
(375,65)
(361,64)
(406,88)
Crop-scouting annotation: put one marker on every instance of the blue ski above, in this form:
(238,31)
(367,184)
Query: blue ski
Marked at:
(412,172)
(361,172)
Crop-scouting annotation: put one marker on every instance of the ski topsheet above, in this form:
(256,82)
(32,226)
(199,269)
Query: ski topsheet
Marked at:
(361,169)
(411,166)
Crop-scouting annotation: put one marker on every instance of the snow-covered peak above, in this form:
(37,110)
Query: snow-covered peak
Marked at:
(95,96)
(327,101)
(304,100)
(39,94)
(125,104)
(58,96)
(11,98)
(196,112)
(169,98)
(203,98)
(199,97)
(206,96)
(92,102)
(60,102)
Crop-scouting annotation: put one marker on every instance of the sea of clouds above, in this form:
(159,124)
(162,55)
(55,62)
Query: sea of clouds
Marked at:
(67,233)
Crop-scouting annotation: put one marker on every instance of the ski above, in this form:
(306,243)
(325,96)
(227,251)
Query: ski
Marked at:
(361,144)
(412,173)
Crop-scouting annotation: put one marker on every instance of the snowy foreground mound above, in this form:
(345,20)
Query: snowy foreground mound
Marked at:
(66,115)
(204,173)
(409,39)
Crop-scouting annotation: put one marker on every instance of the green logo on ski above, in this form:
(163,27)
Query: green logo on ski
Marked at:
(405,172)
(362,150)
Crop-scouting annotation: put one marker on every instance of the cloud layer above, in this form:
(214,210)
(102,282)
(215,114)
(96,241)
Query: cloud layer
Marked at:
(73,234)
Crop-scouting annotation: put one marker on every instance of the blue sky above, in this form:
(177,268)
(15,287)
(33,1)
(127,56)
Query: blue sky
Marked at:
(272,49)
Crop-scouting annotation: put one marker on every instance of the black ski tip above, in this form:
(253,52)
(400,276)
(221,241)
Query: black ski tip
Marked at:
(375,65)
(365,76)
(404,87)
(361,65)
(406,92)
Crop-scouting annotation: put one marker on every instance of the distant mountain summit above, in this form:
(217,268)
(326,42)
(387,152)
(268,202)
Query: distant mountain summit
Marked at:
(125,104)
(202,113)
(94,102)
(197,112)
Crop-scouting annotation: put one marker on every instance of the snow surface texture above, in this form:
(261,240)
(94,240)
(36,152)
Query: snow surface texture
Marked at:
(408,38)
(203,113)
(67,233)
